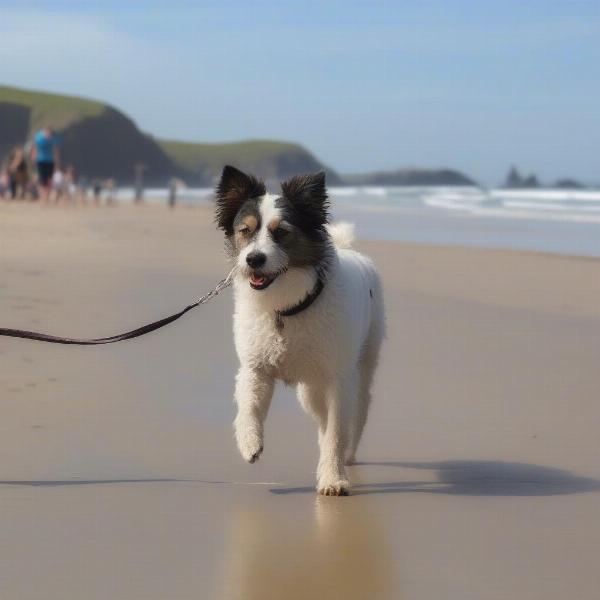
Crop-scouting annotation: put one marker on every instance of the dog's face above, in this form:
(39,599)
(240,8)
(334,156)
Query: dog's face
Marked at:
(268,234)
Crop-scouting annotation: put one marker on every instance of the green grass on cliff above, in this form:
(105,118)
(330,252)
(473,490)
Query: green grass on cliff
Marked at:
(51,109)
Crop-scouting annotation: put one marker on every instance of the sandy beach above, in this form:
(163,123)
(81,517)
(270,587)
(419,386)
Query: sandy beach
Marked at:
(119,477)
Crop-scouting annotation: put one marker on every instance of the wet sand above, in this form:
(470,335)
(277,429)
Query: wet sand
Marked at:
(119,477)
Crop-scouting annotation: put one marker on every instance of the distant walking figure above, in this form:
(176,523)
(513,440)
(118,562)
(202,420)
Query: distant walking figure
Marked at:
(97,190)
(17,173)
(172,192)
(138,170)
(45,152)
(110,185)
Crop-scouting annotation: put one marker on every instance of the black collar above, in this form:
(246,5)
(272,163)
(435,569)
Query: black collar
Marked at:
(301,306)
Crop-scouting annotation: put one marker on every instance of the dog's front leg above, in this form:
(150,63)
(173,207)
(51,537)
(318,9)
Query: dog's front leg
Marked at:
(253,393)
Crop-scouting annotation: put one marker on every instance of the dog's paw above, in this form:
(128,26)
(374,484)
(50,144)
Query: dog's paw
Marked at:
(339,488)
(255,455)
(250,447)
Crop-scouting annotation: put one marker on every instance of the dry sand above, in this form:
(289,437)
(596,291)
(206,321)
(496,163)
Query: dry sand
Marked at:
(119,478)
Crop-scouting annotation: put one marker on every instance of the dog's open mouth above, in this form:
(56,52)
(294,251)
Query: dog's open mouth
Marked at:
(261,282)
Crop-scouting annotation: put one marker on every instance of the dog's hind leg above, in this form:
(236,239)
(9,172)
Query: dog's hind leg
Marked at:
(341,400)
(366,369)
(253,393)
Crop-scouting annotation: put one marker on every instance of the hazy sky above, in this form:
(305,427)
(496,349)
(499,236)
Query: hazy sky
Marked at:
(365,85)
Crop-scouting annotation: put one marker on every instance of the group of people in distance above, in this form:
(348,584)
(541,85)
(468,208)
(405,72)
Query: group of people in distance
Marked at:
(47,180)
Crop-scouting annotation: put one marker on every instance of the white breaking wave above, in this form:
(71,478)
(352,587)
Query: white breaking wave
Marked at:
(367,190)
(557,206)
(581,206)
(552,194)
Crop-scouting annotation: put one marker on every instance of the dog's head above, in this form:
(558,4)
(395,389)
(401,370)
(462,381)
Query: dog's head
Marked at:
(268,234)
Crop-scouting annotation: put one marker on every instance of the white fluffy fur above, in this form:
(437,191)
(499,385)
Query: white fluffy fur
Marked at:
(328,352)
(342,234)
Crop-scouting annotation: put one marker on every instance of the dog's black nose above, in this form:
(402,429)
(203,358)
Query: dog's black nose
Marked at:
(256,259)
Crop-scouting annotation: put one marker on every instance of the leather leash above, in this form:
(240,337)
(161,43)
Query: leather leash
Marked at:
(129,335)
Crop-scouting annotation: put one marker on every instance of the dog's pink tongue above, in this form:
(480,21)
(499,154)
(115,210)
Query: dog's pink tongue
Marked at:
(257,280)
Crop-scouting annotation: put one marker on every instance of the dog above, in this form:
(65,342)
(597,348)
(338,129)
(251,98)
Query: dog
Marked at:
(308,311)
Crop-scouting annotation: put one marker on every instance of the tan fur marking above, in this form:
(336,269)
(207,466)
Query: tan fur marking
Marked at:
(274,224)
(251,222)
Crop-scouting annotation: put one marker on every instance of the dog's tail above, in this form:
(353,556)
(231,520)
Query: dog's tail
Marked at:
(342,234)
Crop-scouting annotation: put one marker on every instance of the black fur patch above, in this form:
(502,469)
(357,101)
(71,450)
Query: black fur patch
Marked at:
(305,206)
(303,250)
(306,198)
(234,189)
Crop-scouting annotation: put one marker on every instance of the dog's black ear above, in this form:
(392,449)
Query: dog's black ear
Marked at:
(308,195)
(232,191)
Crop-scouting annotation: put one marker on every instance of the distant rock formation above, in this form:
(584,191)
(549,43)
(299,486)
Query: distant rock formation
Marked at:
(569,184)
(515,180)
(407,177)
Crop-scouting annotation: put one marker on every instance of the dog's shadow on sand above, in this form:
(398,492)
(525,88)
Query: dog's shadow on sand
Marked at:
(472,478)
(456,477)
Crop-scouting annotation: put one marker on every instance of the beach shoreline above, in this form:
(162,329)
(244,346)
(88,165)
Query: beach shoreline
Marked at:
(119,476)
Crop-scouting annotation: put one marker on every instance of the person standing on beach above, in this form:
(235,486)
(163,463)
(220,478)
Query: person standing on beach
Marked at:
(110,185)
(97,190)
(46,154)
(138,170)
(17,172)
(172,192)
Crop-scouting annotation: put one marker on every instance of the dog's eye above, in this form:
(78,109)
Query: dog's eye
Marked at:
(245,230)
(279,233)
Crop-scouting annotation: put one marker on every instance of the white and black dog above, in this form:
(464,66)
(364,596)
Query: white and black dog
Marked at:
(308,311)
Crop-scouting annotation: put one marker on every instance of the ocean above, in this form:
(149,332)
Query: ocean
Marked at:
(548,220)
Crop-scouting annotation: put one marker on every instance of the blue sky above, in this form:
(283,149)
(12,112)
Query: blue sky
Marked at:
(364,85)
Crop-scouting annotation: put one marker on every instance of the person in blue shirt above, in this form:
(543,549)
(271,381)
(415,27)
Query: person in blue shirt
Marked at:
(46,154)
